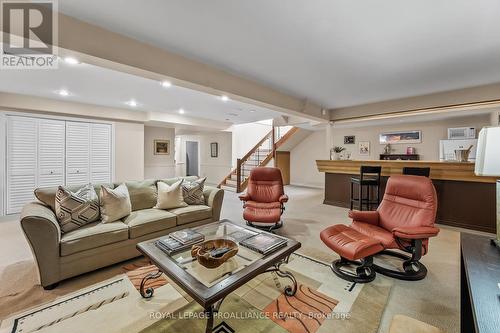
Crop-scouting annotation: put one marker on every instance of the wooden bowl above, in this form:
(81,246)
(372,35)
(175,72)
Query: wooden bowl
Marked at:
(202,252)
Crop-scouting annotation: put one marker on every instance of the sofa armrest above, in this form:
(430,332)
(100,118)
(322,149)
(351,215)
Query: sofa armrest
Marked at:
(415,232)
(42,231)
(213,198)
(370,217)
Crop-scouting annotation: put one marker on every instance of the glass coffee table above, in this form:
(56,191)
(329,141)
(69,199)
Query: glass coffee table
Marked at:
(207,286)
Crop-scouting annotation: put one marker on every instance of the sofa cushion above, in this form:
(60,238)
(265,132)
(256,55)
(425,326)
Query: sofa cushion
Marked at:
(47,195)
(170,196)
(193,192)
(75,209)
(191,213)
(115,204)
(147,221)
(143,194)
(171,181)
(93,235)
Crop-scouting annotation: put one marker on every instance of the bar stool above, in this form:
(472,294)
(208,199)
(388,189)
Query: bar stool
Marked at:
(417,171)
(369,177)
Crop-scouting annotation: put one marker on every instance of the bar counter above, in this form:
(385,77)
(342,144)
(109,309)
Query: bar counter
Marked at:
(464,199)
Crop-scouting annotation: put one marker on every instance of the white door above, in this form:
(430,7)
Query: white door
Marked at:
(100,153)
(77,153)
(51,143)
(22,144)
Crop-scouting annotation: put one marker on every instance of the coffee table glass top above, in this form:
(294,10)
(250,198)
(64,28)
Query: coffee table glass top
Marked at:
(242,259)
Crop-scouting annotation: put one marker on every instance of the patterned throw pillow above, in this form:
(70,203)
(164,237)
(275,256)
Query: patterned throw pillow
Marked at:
(74,210)
(193,192)
(115,203)
(170,196)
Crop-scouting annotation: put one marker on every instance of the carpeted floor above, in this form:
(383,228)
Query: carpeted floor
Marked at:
(434,300)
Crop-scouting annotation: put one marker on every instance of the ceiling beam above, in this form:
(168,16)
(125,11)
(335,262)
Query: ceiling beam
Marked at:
(102,47)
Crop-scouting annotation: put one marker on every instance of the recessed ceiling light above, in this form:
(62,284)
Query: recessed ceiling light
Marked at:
(233,114)
(63,92)
(224,98)
(166,84)
(71,61)
(132,103)
(181,111)
(252,111)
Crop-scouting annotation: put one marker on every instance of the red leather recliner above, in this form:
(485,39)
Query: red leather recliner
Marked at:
(265,198)
(404,221)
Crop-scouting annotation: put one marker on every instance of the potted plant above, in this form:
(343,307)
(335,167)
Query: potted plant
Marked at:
(335,152)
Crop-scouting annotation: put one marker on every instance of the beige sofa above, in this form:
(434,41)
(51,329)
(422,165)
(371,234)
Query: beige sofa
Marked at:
(61,256)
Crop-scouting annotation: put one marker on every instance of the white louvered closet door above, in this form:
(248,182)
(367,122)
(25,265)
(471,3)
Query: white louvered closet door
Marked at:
(22,144)
(51,143)
(100,153)
(77,153)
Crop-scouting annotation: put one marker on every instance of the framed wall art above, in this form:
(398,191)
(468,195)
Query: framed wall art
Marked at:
(364,148)
(214,149)
(401,137)
(349,139)
(161,147)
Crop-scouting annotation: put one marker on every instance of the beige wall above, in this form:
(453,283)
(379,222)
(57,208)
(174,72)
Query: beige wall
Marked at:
(214,168)
(303,158)
(158,166)
(129,151)
(432,132)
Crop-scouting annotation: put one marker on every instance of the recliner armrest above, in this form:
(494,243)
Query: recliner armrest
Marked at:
(415,232)
(244,197)
(370,217)
(283,198)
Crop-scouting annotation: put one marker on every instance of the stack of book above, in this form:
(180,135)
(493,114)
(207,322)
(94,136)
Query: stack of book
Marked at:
(179,241)
(264,243)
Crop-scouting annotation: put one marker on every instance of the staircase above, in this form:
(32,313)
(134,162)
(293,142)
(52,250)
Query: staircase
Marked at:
(260,155)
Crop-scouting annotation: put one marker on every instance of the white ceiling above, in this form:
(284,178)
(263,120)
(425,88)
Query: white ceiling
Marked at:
(100,86)
(335,52)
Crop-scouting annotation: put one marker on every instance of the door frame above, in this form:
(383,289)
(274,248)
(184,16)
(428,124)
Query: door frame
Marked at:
(199,157)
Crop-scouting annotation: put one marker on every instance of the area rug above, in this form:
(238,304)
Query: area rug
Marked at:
(323,303)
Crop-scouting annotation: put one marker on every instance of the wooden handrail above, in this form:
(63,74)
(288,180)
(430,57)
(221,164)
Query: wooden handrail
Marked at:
(241,185)
(285,137)
(254,149)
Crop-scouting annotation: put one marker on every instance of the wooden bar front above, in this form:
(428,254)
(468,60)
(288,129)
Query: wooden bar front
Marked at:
(464,199)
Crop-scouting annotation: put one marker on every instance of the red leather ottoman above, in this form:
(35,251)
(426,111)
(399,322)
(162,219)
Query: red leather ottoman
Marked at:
(353,248)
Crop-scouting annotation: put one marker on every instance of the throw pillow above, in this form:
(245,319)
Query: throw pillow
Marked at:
(115,203)
(193,192)
(170,196)
(74,210)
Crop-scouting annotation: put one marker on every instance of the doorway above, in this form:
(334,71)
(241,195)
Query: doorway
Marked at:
(192,162)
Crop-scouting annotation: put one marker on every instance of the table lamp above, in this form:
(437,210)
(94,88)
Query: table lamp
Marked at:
(488,163)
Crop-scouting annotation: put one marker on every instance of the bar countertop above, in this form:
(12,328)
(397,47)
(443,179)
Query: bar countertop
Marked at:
(439,170)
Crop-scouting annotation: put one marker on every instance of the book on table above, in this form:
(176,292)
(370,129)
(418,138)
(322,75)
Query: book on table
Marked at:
(263,243)
(171,244)
(187,236)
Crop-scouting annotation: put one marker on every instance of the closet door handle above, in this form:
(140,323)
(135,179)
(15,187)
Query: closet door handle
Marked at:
(51,172)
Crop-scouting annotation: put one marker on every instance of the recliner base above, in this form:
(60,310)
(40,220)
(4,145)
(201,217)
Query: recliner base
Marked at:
(364,270)
(414,270)
(274,226)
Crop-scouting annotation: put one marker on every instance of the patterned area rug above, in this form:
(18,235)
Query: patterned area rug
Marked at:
(323,303)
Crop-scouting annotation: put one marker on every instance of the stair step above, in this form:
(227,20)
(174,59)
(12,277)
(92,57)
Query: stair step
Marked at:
(228,188)
(230,182)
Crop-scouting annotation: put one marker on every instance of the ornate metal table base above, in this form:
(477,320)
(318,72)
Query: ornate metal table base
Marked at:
(289,290)
(148,293)
(213,309)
